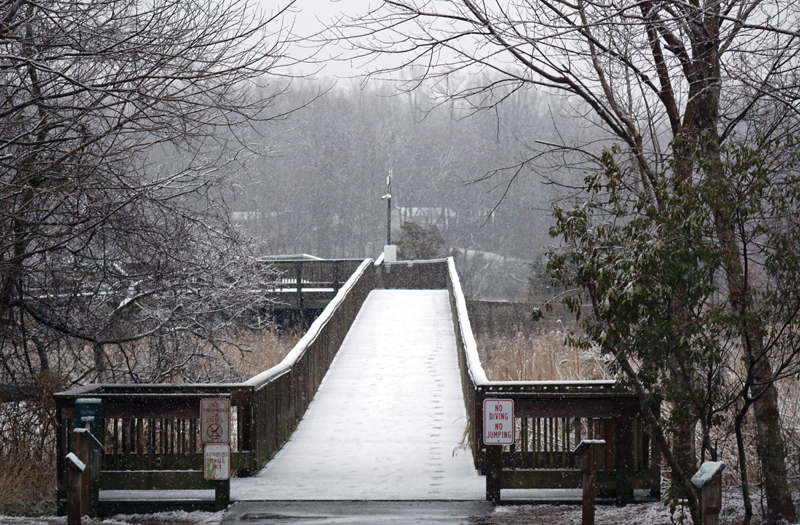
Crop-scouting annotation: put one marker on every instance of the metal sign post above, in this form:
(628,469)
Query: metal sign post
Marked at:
(215,434)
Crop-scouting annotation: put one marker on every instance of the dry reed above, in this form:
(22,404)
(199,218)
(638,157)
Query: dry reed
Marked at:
(260,350)
(540,356)
(546,356)
(27,436)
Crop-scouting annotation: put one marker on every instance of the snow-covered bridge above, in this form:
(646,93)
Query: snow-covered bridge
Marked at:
(388,421)
(382,399)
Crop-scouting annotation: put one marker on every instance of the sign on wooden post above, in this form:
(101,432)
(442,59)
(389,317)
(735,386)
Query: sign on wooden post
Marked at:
(215,420)
(498,421)
(217,461)
(215,434)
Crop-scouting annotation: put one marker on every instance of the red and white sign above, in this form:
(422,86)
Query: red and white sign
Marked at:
(217,461)
(498,421)
(215,420)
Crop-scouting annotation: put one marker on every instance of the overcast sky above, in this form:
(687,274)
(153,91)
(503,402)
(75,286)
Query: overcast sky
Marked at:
(310,17)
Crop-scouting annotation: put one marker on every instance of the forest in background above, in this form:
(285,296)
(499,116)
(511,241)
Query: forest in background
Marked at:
(319,189)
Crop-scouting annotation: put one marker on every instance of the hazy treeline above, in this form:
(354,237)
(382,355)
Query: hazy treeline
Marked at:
(320,189)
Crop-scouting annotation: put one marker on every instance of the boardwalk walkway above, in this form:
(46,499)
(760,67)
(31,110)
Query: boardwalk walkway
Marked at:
(388,420)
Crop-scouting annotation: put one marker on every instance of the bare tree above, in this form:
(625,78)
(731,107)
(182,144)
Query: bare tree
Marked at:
(676,84)
(119,121)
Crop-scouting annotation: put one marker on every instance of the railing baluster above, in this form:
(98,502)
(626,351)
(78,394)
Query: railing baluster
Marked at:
(524,441)
(116,443)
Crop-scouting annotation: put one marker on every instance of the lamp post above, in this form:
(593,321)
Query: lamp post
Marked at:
(388,198)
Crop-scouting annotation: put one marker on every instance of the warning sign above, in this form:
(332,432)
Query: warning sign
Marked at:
(215,420)
(498,421)
(217,461)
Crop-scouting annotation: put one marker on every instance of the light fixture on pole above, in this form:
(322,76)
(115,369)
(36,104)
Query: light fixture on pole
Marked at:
(388,198)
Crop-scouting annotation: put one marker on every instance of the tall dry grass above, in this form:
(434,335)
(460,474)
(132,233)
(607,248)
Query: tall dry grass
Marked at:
(27,450)
(543,355)
(27,433)
(260,350)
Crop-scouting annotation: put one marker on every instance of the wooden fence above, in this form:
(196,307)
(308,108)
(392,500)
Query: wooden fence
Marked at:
(417,275)
(150,432)
(304,288)
(551,418)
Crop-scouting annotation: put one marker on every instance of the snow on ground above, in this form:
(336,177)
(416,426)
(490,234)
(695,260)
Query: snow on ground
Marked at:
(656,513)
(640,514)
(388,420)
(161,518)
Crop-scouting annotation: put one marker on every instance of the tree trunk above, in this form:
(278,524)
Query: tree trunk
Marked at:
(771,448)
(770,444)
(737,425)
(684,448)
(100,362)
(680,477)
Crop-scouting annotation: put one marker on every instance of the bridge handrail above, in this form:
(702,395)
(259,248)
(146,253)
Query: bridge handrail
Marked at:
(550,415)
(475,366)
(312,333)
(463,327)
(152,429)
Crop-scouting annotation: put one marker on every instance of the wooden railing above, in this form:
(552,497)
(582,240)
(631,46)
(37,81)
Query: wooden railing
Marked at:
(151,439)
(551,419)
(417,275)
(299,274)
(308,283)
(150,432)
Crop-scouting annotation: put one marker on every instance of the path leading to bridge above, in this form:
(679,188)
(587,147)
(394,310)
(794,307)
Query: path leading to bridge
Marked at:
(388,420)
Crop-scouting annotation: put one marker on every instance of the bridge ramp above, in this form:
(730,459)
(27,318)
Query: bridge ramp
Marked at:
(388,420)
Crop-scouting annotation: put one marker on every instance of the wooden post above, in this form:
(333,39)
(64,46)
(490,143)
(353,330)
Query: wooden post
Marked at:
(655,457)
(82,452)
(493,469)
(298,266)
(222,494)
(623,449)
(708,480)
(591,456)
(89,451)
(75,467)
(336,283)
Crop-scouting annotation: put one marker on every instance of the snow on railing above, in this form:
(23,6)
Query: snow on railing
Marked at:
(152,430)
(313,331)
(550,417)
(476,370)
(475,367)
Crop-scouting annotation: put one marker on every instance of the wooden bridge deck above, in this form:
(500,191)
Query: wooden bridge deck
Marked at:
(388,420)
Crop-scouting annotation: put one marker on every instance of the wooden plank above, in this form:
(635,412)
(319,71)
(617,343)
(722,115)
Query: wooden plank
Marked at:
(154,480)
(116,507)
(569,479)
(161,461)
(541,478)
(569,407)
